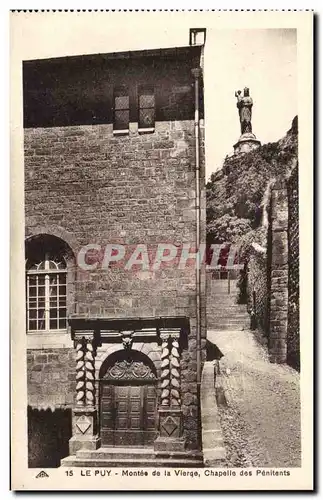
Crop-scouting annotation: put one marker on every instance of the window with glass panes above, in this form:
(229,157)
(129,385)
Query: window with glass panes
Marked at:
(121,109)
(46,295)
(146,107)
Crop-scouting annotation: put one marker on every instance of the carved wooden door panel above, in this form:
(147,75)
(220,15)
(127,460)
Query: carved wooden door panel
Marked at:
(129,426)
(128,406)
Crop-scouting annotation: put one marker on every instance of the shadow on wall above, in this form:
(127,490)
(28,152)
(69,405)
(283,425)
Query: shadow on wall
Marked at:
(48,436)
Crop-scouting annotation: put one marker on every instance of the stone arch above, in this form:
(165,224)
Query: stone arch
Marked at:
(146,349)
(56,231)
(38,243)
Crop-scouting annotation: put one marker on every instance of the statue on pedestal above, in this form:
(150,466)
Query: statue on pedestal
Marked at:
(248,141)
(244,106)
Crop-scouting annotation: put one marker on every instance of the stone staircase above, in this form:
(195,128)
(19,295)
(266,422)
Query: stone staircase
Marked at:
(223,312)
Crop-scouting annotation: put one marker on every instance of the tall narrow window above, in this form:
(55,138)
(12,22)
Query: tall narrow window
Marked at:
(146,107)
(121,109)
(46,294)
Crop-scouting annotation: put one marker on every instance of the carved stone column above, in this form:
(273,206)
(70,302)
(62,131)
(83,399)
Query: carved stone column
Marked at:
(85,413)
(170,437)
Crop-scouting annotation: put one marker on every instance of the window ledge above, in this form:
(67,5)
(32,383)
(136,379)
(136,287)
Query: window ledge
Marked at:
(47,332)
(148,130)
(121,132)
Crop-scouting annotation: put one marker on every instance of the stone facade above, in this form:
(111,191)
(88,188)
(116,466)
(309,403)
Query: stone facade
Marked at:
(87,185)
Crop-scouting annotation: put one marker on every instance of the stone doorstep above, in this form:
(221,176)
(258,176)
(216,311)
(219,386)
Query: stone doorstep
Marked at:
(132,457)
(115,453)
(72,461)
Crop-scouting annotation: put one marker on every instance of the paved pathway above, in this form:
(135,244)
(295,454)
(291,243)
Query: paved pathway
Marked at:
(261,422)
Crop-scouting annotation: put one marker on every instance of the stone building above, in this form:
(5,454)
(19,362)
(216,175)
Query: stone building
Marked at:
(114,172)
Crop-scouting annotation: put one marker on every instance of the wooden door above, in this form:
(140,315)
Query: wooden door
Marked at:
(128,415)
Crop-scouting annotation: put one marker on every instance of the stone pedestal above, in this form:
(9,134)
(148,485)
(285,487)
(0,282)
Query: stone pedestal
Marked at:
(85,430)
(247,142)
(170,426)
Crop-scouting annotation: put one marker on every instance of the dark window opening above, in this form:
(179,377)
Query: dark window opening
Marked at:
(146,107)
(121,109)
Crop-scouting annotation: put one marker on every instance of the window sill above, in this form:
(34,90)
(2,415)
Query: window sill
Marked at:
(47,332)
(121,132)
(148,130)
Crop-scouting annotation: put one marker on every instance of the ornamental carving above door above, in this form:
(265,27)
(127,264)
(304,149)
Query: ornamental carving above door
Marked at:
(127,370)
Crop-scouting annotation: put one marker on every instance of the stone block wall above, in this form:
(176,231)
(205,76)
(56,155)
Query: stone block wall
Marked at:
(278,292)
(51,378)
(131,190)
(257,289)
(293,340)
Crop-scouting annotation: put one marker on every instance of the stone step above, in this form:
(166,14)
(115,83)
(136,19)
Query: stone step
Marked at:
(216,326)
(73,461)
(226,304)
(228,314)
(223,299)
(113,453)
(231,317)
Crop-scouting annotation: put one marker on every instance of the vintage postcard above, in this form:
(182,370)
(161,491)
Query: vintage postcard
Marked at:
(161,258)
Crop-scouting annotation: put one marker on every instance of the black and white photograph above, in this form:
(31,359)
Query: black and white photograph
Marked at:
(161,228)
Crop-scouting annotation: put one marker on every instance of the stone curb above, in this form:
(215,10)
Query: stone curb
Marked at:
(213,446)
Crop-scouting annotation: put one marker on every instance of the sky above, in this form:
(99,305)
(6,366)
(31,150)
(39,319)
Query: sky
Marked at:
(265,60)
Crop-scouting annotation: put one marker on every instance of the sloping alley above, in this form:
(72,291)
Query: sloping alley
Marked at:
(258,403)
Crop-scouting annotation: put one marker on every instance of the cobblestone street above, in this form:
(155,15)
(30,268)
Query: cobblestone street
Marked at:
(260,411)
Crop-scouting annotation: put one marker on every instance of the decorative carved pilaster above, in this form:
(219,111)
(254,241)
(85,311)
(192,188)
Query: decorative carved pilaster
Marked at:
(170,439)
(170,368)
(85,370)
(89,374)
(80,374)
(165,374)
(85,419)
(175,377)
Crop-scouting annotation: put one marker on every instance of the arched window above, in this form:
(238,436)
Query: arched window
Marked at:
(46,285)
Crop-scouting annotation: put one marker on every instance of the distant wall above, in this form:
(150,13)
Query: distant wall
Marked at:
(257,289)
(278,288)
(273,277)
